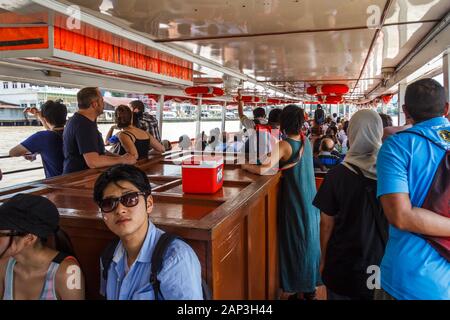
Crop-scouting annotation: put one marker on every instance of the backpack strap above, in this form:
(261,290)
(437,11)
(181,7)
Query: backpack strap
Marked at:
(157,260)
(60,257)
(423,136)
(107,256)
(377,215)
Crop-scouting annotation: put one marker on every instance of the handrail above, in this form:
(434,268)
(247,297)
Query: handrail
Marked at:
(5,157)
(22,170)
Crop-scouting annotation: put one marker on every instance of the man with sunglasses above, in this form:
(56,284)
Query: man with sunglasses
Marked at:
(123,194)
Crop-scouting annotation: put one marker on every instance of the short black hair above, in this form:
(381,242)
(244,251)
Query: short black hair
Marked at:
(274,115)
(121,172)
(85,97)
(54,112)
(137,104)
(425,99)
(259,113)
(292,119)
(334,114)
(386,119)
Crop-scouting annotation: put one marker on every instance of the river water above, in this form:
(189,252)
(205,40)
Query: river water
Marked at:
(11,136)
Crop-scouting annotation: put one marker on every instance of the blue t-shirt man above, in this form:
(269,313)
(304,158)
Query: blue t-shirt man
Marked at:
(49,144)
(81,136)
(411,268)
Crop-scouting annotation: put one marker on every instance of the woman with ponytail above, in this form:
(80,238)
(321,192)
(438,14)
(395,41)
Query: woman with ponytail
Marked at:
(298,219)
(29,269)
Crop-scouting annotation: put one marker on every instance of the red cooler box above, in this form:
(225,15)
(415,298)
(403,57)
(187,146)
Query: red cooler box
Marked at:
(202,174)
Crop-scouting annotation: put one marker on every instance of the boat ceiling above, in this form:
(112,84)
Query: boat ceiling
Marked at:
(290,44)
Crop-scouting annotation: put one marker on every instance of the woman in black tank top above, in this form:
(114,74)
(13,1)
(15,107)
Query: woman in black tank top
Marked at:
(133,140)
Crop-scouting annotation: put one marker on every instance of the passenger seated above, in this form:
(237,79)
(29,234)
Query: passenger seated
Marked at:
(48,143)
(318,166)
(326,157)
(184,142)
(29,269)
(123,194)
(133,140)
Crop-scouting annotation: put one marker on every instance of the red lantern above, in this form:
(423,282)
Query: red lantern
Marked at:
(330,99)
(274,101)
(328,89)
(248,99)
(386,98)
(205,92)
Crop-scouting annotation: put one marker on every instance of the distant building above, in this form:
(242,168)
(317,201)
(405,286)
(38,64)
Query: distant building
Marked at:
(27,95)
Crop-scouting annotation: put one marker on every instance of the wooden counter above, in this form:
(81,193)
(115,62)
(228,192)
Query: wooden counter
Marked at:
(232,231)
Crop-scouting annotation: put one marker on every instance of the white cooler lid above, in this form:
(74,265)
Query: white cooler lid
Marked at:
(203,162)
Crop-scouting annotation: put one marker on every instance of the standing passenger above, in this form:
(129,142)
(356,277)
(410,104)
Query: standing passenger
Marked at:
(144,120)
(48,143)
(349,228)
(412,165)
(298,219)
(83,143)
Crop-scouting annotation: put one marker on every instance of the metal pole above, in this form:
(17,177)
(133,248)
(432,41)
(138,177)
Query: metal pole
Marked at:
(401,102)
(446,73)
(159,113)
(199,116)
(224,111)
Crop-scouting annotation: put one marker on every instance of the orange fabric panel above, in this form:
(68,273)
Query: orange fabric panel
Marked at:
(23,38)
(106,51)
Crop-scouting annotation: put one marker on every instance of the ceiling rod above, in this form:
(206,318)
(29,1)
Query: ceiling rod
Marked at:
(375,37)
(438,28)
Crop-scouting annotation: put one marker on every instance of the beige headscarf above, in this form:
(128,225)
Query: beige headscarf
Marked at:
(364,136)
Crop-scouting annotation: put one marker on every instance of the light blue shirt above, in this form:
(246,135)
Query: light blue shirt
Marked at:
(180,276)
(411,268)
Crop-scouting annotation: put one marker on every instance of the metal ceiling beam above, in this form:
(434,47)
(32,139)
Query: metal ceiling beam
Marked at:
(140,38)
(432,45)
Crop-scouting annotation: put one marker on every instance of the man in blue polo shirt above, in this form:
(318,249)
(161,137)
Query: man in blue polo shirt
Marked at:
(411,268)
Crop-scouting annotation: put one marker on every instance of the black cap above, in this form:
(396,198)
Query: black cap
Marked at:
(31,214)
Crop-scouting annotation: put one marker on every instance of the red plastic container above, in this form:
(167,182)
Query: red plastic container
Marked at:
(202,174)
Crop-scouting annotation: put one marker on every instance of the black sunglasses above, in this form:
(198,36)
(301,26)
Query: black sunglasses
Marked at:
(128,200)
(12,234)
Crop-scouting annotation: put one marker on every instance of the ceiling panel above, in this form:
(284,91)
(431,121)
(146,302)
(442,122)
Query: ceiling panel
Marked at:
(321,56)
(214,18)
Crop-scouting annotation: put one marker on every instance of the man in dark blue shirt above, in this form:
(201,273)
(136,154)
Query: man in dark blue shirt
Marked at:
(83,143)
(48,143)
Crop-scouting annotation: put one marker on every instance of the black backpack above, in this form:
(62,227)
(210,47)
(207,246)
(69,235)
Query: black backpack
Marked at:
(156,263)
(370,203)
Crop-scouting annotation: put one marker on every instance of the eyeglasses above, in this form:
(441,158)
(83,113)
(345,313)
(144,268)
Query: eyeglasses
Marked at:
(128,200)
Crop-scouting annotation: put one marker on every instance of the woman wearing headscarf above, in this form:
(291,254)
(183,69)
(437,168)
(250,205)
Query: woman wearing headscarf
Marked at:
(353,228)
(29,268)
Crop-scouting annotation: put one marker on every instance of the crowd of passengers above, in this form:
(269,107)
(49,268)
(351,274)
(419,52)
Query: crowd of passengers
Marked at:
(378,227)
